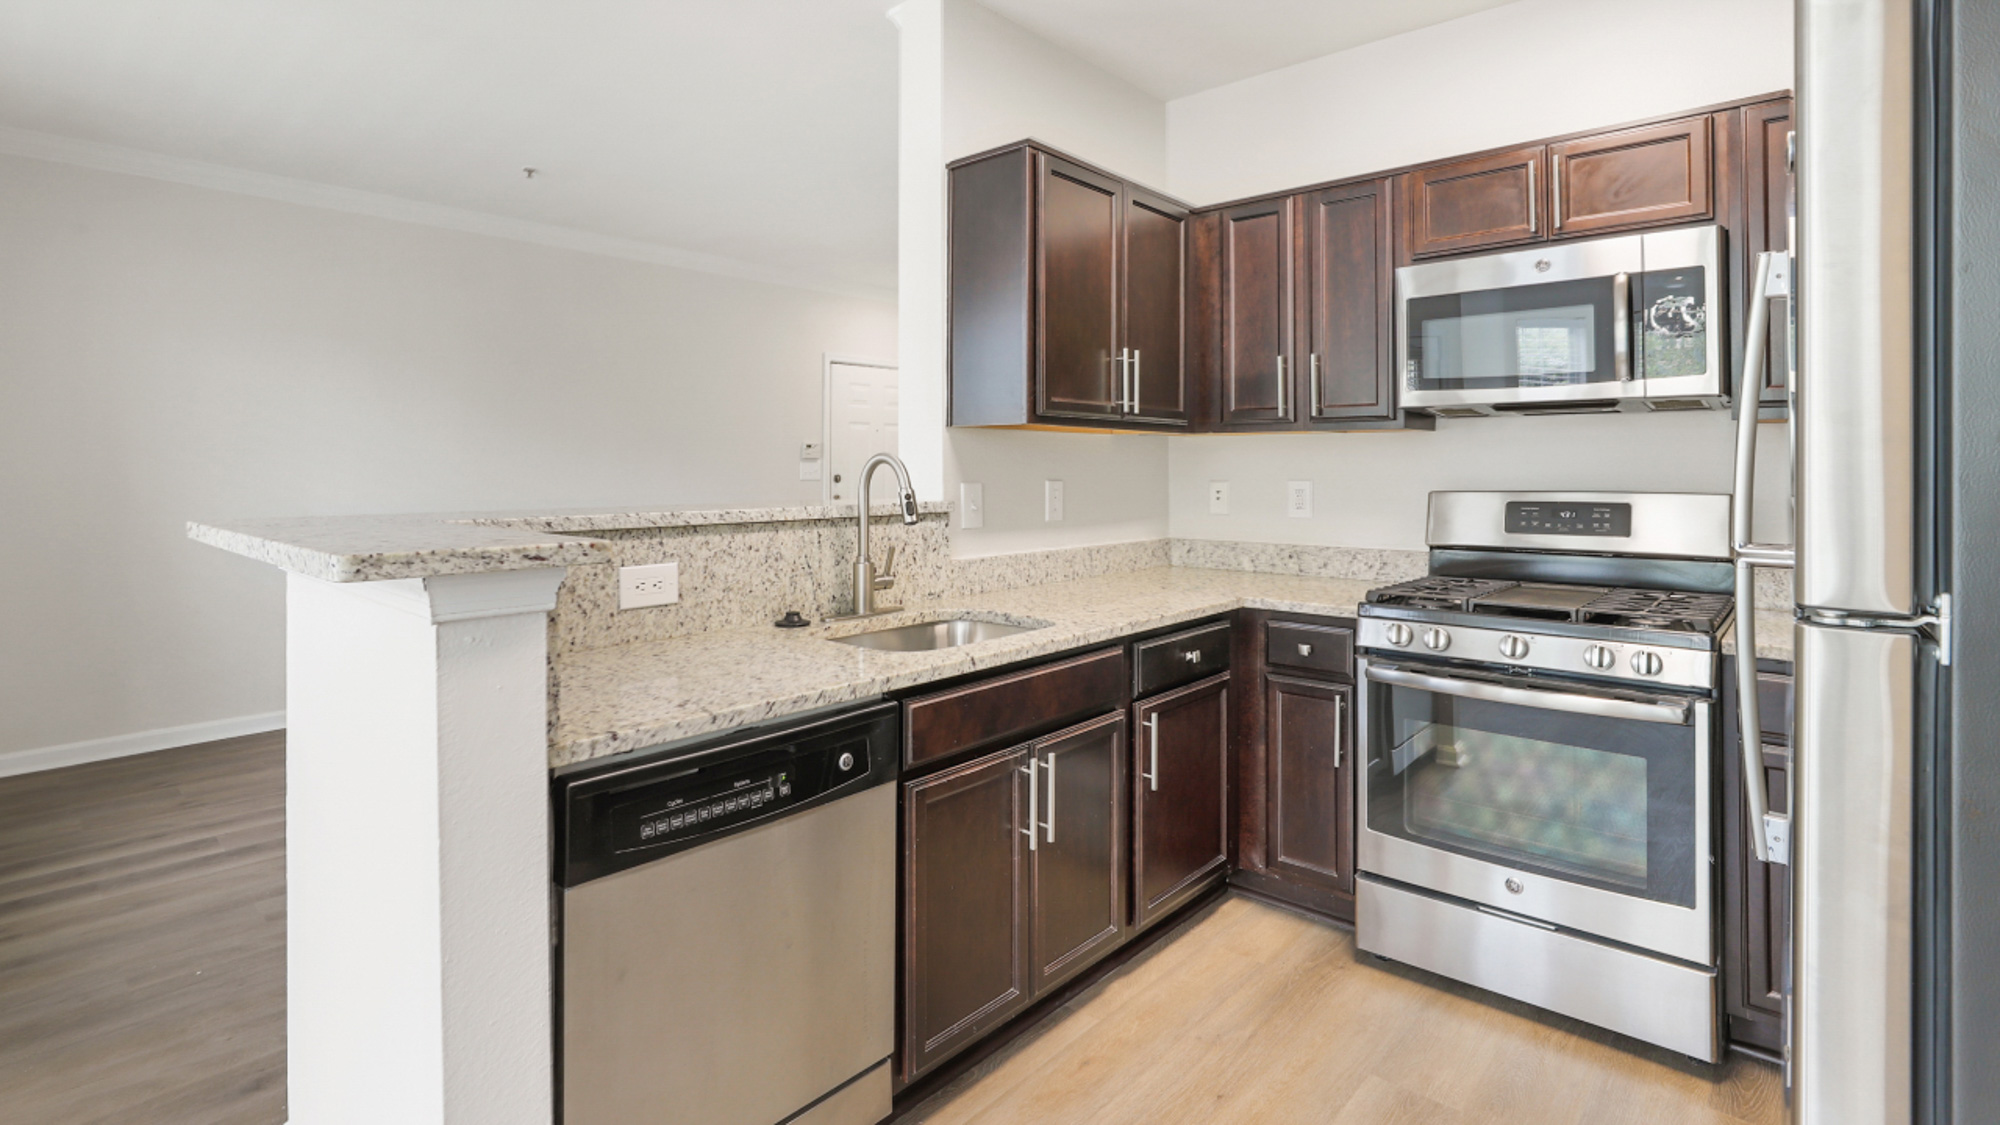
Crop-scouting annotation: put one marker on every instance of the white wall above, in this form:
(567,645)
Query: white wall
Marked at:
(171,353)
(972,81)
(1514,73)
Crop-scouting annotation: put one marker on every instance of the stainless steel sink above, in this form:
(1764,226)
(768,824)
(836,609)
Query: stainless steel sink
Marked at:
(931,635)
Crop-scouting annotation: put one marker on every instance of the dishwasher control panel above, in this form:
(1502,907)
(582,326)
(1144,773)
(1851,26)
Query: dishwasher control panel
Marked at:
(626,816)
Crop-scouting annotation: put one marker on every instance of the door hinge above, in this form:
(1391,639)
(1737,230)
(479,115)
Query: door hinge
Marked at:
(1938,624)
(1778,838)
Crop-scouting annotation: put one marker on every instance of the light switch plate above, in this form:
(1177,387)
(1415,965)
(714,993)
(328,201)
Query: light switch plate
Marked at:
(971,505)
(1218,498)
(810,470)
(1052,501)
(808,451)
(1299,499)
(642,586)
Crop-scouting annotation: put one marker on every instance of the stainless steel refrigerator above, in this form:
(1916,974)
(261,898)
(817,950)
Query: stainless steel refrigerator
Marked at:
(1888,1018)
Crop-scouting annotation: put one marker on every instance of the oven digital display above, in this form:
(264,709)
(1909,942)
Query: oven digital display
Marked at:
(1526,517)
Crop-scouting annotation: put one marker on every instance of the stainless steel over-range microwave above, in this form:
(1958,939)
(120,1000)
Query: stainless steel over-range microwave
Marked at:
(1627,323)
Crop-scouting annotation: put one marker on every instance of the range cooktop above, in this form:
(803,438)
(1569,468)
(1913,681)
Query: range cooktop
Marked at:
(1624,607)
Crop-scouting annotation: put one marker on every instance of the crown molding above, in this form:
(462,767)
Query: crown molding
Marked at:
(307,193)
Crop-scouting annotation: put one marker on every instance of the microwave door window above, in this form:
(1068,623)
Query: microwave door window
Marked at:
(1553,335)
(1671,311)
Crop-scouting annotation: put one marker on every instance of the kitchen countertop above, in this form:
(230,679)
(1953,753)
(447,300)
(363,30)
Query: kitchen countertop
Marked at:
(379,548)
(1774,635)
(614,700)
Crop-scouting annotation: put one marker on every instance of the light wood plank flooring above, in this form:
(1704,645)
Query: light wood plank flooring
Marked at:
(142,939)
(1258,1016)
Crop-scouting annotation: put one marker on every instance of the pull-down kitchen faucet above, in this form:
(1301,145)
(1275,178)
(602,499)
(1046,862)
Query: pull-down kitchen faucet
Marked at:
(866,581)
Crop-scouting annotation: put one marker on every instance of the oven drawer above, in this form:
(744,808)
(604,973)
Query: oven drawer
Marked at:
(1325,649)
(1180,658)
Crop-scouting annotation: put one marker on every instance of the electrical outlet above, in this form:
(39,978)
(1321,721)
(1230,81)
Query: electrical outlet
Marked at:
(971,505)
(1218,498)
(809,470)
(809,461)
(641,586)
(1299,499)
(1052,501)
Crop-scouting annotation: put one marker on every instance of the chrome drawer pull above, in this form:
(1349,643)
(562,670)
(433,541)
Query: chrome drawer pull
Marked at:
(1193,656)
(1305,649)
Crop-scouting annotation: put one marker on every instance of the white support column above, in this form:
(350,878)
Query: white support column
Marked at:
(419,975)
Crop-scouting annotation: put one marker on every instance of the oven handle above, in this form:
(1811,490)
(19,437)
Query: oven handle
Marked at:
(1675,714)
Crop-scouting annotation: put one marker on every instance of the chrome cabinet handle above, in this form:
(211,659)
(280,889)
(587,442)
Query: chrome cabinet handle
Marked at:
(1282,408)
(1049,767)
(1137,375)
(1674,713)
(1621,325)
(1124,380)
(1770,833)
(1315,404)
(1555,191)
(1033,793)
(1339,727)
(1305,650)
(1192,656)
(1152,776)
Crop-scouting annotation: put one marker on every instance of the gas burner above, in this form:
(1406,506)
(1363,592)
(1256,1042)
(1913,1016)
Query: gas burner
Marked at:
(1660,609)
(1438,591)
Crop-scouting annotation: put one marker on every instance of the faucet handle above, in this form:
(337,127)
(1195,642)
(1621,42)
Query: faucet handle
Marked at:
(887,577)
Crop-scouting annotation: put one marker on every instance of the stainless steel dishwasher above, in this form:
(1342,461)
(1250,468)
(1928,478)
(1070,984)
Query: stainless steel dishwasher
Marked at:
(727,929)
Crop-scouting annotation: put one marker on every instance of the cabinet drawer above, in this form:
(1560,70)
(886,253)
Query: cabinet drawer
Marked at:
(1182,658)
(1325,649)
(1013,707)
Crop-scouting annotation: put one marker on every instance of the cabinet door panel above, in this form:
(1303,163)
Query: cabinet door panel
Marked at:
(1077,866)
(1257,314)
(1634,177)
(965,968)
(1155,295)
(1766,195)
(1486,201)
(1180,826)
(1076,261)
(1348,361)
(1311,802)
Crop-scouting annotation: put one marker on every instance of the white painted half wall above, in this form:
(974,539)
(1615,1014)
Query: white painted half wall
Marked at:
(172,352)
(1525,70)
(971,81)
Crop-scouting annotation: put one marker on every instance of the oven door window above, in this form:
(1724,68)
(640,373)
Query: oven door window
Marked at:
(1556,334)
(1607,803)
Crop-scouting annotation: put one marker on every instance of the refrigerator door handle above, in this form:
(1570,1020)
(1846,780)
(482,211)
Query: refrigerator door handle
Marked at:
(1770,833)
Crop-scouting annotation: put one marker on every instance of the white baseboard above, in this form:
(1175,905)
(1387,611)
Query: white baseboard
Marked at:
(36,759)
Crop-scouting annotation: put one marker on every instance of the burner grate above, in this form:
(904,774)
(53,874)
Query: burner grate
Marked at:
(1660,609)
(1438,592)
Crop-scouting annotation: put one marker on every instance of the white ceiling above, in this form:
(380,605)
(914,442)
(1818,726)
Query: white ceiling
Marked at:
(1171,48)
(759,133)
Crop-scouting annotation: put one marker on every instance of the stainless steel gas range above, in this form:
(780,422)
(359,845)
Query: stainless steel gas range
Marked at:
(1536,815)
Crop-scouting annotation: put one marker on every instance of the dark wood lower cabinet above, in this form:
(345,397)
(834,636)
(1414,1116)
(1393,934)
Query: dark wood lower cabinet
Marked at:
(1756,897)
(1077,858)
(965,863)
(1180,796)
(1310,784)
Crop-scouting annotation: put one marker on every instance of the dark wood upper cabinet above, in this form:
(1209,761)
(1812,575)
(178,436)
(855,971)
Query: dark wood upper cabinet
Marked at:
(1077,861)
(1349,290)
(1309,781)
(965,905)
(1256,264)
(1767,176)
(1153,340)
(1077,372)
(1494,200)
(1180,786)
(1632,178)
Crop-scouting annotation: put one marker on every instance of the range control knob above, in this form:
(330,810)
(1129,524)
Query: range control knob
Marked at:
(1514,647)
(1400,635)
(1647,663)
(1437,640)
(1600,658)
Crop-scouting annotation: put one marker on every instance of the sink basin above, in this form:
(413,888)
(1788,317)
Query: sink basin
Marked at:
(931,635)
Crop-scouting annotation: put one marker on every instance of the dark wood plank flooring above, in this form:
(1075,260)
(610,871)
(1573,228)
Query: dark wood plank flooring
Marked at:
(142,939)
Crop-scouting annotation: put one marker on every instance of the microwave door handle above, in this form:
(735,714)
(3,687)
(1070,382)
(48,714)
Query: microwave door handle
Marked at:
(1670,713)
(1621,325)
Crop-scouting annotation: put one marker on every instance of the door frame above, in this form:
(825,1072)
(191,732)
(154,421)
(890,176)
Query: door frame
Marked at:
(826,362)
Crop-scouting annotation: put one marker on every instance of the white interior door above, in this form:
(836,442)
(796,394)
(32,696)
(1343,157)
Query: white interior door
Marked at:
(860,422)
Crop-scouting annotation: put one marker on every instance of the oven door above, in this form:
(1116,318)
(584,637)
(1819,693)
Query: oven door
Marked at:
(1596,325)
(1582,807)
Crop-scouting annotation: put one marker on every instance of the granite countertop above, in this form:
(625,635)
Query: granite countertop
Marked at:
(379,548)
(1774,635)
(614,700)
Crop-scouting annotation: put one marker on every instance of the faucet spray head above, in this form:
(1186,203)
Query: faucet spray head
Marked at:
(909,506)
